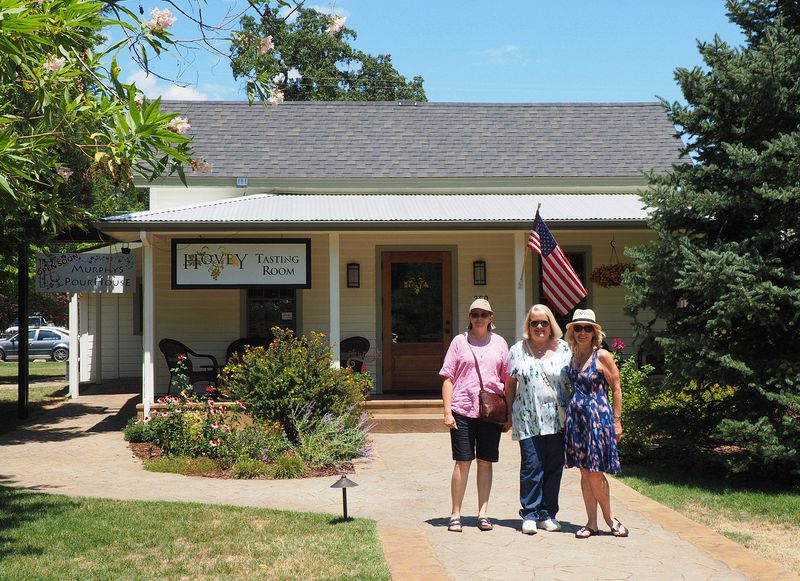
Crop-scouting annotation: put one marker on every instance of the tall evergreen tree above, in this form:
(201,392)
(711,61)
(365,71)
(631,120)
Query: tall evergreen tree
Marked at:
(723,275)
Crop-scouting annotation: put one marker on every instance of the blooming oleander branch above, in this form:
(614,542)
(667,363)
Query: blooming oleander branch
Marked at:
(265,45)
(160,19)
(336,25)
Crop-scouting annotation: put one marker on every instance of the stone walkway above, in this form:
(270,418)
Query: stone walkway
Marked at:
(78,450)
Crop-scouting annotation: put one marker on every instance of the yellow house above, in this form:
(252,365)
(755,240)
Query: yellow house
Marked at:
(382,220)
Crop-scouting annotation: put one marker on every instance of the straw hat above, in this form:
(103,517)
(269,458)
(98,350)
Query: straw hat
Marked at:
(584,316)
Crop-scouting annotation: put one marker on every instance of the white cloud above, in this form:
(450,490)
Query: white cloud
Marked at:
(154,87)
(502,55)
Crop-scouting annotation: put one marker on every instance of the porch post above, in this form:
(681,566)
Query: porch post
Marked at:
(74,347)
(98,340)
(519,293)
(333,283)
(148,324)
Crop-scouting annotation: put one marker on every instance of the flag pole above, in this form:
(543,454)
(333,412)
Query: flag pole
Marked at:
(522,273)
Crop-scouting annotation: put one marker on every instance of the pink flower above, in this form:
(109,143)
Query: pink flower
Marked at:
(265,45)
(179,125)
(160,20)
(139,99)
(336,25)
(181,357)
(214,443)
(54,63)
(617,344)
(209,389)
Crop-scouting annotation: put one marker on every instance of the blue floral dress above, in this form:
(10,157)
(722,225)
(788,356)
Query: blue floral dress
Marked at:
(590,440)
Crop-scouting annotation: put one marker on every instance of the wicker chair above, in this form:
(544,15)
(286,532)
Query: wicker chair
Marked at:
(353,351)
(172,349)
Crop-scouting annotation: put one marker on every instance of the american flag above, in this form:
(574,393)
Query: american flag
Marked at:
(562,287)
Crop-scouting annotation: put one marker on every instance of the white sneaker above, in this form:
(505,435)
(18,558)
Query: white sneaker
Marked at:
(551,525)
(529,526)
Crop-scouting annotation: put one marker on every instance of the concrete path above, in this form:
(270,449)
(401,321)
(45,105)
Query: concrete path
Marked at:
(78,450)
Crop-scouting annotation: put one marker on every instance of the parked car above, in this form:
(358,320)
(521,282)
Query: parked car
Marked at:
(43,343)
(34,321)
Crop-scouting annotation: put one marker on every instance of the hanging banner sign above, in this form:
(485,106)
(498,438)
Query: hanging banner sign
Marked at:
(241,263)
(86,273)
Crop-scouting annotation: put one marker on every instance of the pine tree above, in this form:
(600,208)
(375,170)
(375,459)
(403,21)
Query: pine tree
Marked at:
(723,275)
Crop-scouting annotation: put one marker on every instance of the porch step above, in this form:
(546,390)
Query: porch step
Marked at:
(405,423)
(396,416)
(403,406)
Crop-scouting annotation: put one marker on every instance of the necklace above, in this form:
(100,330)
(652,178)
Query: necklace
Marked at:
(536,351)
(579,359)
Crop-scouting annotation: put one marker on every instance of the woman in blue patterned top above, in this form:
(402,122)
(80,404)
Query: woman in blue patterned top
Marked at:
(537,392)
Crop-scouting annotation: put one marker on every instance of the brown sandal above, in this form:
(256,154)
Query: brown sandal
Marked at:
(585,533)
(619,529)
(484,524)
(454,526)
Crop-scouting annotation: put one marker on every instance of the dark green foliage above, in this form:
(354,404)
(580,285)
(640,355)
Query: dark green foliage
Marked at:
(293,373)
(635,442)
(330,69)
(723,276)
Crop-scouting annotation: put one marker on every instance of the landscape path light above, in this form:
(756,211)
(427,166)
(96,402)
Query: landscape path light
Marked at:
(344,483)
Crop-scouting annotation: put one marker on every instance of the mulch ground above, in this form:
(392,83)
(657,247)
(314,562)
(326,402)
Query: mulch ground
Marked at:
(147,451)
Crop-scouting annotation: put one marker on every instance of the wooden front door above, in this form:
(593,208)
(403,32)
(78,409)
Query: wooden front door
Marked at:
(416,312)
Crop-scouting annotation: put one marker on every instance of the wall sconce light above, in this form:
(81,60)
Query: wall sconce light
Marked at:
(479,272)
(126,249)
(353,275)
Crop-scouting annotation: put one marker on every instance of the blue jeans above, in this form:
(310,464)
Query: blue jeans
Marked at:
(542,463)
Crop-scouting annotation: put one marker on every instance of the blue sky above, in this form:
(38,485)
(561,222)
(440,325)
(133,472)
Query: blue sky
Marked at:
(517,51)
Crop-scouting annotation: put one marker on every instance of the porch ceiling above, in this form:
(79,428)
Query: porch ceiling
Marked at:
(390,212)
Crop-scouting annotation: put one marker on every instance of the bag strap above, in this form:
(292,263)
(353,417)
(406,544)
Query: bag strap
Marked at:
(477,367)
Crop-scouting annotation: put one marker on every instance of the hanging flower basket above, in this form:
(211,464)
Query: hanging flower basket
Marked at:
(609,274)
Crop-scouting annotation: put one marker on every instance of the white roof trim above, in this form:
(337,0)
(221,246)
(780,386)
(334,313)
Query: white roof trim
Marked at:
(396,208)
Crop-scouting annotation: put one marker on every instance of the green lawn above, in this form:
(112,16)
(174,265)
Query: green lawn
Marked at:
(38,395)
(759,516)
(37,371)
(58,537)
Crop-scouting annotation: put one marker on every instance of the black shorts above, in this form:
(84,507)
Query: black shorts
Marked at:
(475,438)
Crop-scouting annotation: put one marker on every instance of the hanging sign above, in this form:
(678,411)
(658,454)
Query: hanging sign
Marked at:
(241,263)
(85,273)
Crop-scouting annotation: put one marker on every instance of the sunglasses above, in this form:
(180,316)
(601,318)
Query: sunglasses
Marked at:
(542,324)
(583,328)
(480,315)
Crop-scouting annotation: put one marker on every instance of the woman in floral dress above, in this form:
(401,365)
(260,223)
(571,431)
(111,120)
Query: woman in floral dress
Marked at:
(592,429)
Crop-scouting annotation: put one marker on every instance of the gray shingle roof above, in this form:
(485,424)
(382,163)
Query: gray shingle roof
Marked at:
(426,140)
(388,210)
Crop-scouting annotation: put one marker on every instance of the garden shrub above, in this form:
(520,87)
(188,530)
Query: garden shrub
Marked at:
(293,372)
(288,465)
(262,441)
(635,442)
(330,440)
(180,430)
(246,468)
